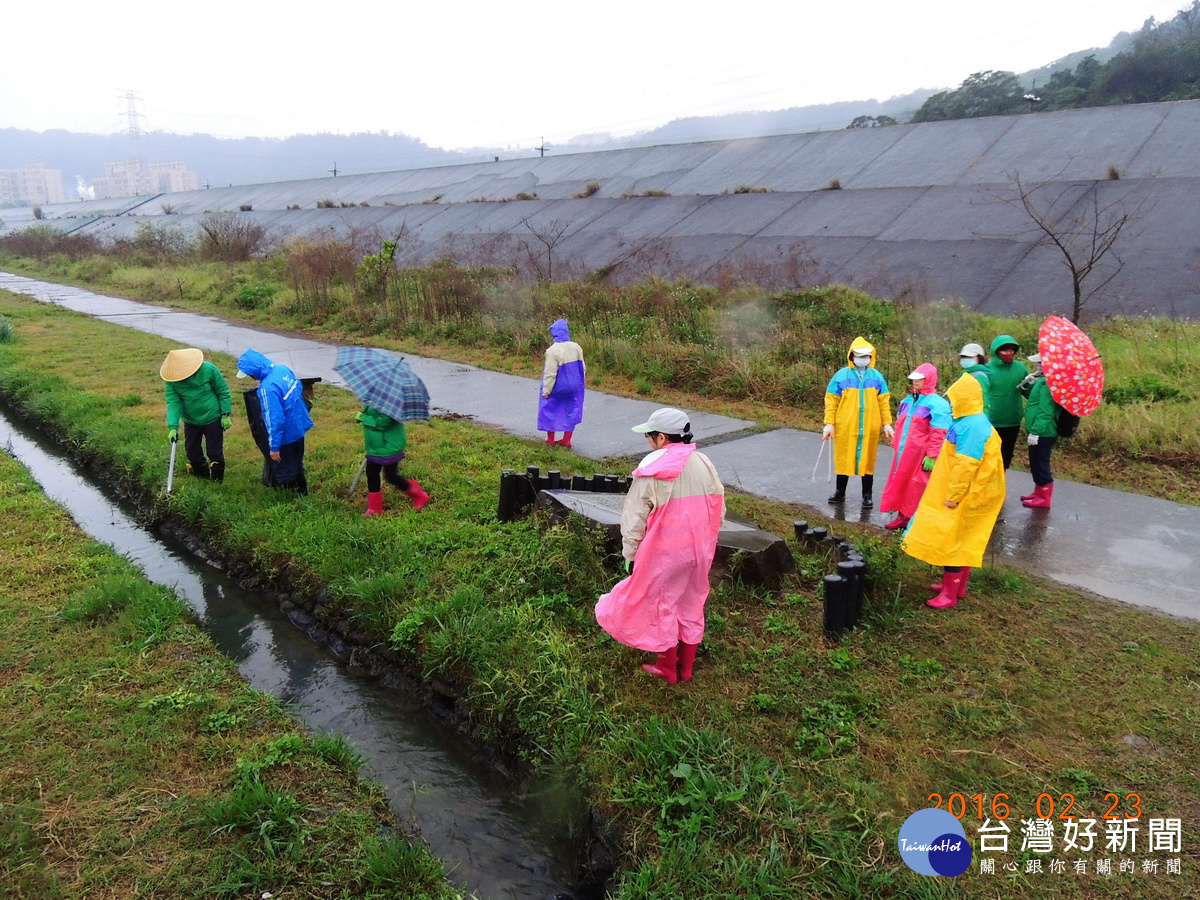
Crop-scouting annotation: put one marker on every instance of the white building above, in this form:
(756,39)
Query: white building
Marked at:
(31,186)
(135,177)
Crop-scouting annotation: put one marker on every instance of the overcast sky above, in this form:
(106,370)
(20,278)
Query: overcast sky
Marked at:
(467,73)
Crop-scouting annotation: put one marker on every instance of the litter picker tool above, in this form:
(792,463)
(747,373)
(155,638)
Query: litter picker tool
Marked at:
(817,464)
(357,478)
(171,464)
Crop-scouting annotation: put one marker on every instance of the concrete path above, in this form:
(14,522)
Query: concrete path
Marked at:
(1126,547)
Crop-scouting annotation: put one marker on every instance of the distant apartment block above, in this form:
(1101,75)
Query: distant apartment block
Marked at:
(31,186)
(134,177)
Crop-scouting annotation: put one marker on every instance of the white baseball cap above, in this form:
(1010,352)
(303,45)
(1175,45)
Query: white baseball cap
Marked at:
(971,350)
(916,373)
(666,420)
(1034,357)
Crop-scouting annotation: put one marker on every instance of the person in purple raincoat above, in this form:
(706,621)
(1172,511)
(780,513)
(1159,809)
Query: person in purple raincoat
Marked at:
(921,427)
(561,405)
(669,529)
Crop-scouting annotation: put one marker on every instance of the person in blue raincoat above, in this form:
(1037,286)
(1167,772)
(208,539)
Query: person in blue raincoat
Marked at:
(561,404)
(285,418)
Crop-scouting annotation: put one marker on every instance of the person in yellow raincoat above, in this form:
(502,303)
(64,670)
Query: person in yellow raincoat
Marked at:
(957,512)
(857,404)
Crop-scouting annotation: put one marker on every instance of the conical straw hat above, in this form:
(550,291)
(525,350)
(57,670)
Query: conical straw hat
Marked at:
(181,364)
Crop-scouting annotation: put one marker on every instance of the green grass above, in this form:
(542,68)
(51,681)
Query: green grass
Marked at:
(786,767)
(134,761)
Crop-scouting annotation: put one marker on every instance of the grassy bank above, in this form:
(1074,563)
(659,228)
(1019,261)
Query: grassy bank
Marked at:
(786,767)
(730,348)
(134,761)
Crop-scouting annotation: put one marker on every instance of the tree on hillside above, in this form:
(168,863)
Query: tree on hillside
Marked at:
(988,93)
(871,122)
(1084,228)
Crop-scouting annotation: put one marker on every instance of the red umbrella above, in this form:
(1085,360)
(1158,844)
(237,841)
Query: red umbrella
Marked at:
(1074,372)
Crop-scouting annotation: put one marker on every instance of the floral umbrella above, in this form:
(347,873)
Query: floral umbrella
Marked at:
(1074,372)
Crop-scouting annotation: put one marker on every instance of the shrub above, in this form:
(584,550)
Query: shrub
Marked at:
(6,330)
(254,296)
(589,189)
(326,203)
(227,237)
(246,207)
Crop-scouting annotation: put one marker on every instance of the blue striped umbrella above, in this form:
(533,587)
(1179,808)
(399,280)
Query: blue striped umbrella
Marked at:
(383,381)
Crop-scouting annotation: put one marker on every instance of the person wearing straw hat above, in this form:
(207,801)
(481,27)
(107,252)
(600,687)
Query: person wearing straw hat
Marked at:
(857,406)
(1041,428)
(198,396)
(285,418)
(669,528)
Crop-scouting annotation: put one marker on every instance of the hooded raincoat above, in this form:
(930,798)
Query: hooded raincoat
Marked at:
(285,415)
(669,527)
(1004,407)
(921,425)
(969,472)
(561,404)
(857,405)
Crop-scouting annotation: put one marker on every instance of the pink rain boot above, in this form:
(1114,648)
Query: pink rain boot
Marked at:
(1041,496)
(952,583)
(374,503)
(550,438)
(687,658)
(936,587)
(664,667)
(566,439)
(417,494)
(899,522)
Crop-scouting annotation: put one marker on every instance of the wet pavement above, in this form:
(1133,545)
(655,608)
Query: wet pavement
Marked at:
(1126,547)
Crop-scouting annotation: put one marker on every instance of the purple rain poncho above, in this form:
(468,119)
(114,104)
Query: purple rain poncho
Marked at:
(561,400)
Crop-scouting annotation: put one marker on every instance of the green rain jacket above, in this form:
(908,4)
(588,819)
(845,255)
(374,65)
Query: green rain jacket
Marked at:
(1041,413)
(1004,399)
(383,436)
(199,399)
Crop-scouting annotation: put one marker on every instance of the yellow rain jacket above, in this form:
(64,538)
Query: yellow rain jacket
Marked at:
(970,472)
(857,405)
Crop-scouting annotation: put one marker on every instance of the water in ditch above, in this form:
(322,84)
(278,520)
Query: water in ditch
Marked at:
(495,843)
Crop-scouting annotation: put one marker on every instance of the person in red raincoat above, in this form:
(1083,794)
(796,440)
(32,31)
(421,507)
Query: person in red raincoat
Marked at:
(920,429)
(669,530)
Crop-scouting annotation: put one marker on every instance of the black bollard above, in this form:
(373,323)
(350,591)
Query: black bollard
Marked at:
(507,510)
(610,484)
(579,483)
(816,535)
(835,603)
(798,528)
(852,573)
(555,477)
(597,483)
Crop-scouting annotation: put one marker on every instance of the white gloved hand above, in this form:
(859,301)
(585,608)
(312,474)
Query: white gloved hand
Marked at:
(1028,380)
(889,431)
(1032,439)
(827,432)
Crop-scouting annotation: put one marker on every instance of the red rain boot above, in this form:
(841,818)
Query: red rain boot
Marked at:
(550,438)
(687,658)
(1025,497)
(936,587)
(899,522)
(566,439)
(952,583)
(664,667)
(417,494)
(374,503)
(1041,496)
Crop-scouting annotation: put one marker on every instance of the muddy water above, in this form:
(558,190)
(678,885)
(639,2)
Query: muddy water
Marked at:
(493,842)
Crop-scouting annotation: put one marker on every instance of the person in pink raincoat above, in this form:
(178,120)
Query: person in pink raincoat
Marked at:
(921,427)
(669,529)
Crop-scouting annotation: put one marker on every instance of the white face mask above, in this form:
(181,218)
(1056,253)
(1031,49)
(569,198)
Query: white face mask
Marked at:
(966,362)
(862,361)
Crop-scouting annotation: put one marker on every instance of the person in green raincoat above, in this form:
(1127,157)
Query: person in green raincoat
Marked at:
(857,406)
(198,396)
(1004,404)
(384,440)
(958,510)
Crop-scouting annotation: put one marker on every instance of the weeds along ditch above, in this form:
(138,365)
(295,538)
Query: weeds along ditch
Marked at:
(499,840)
(766,354)
(785,768)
